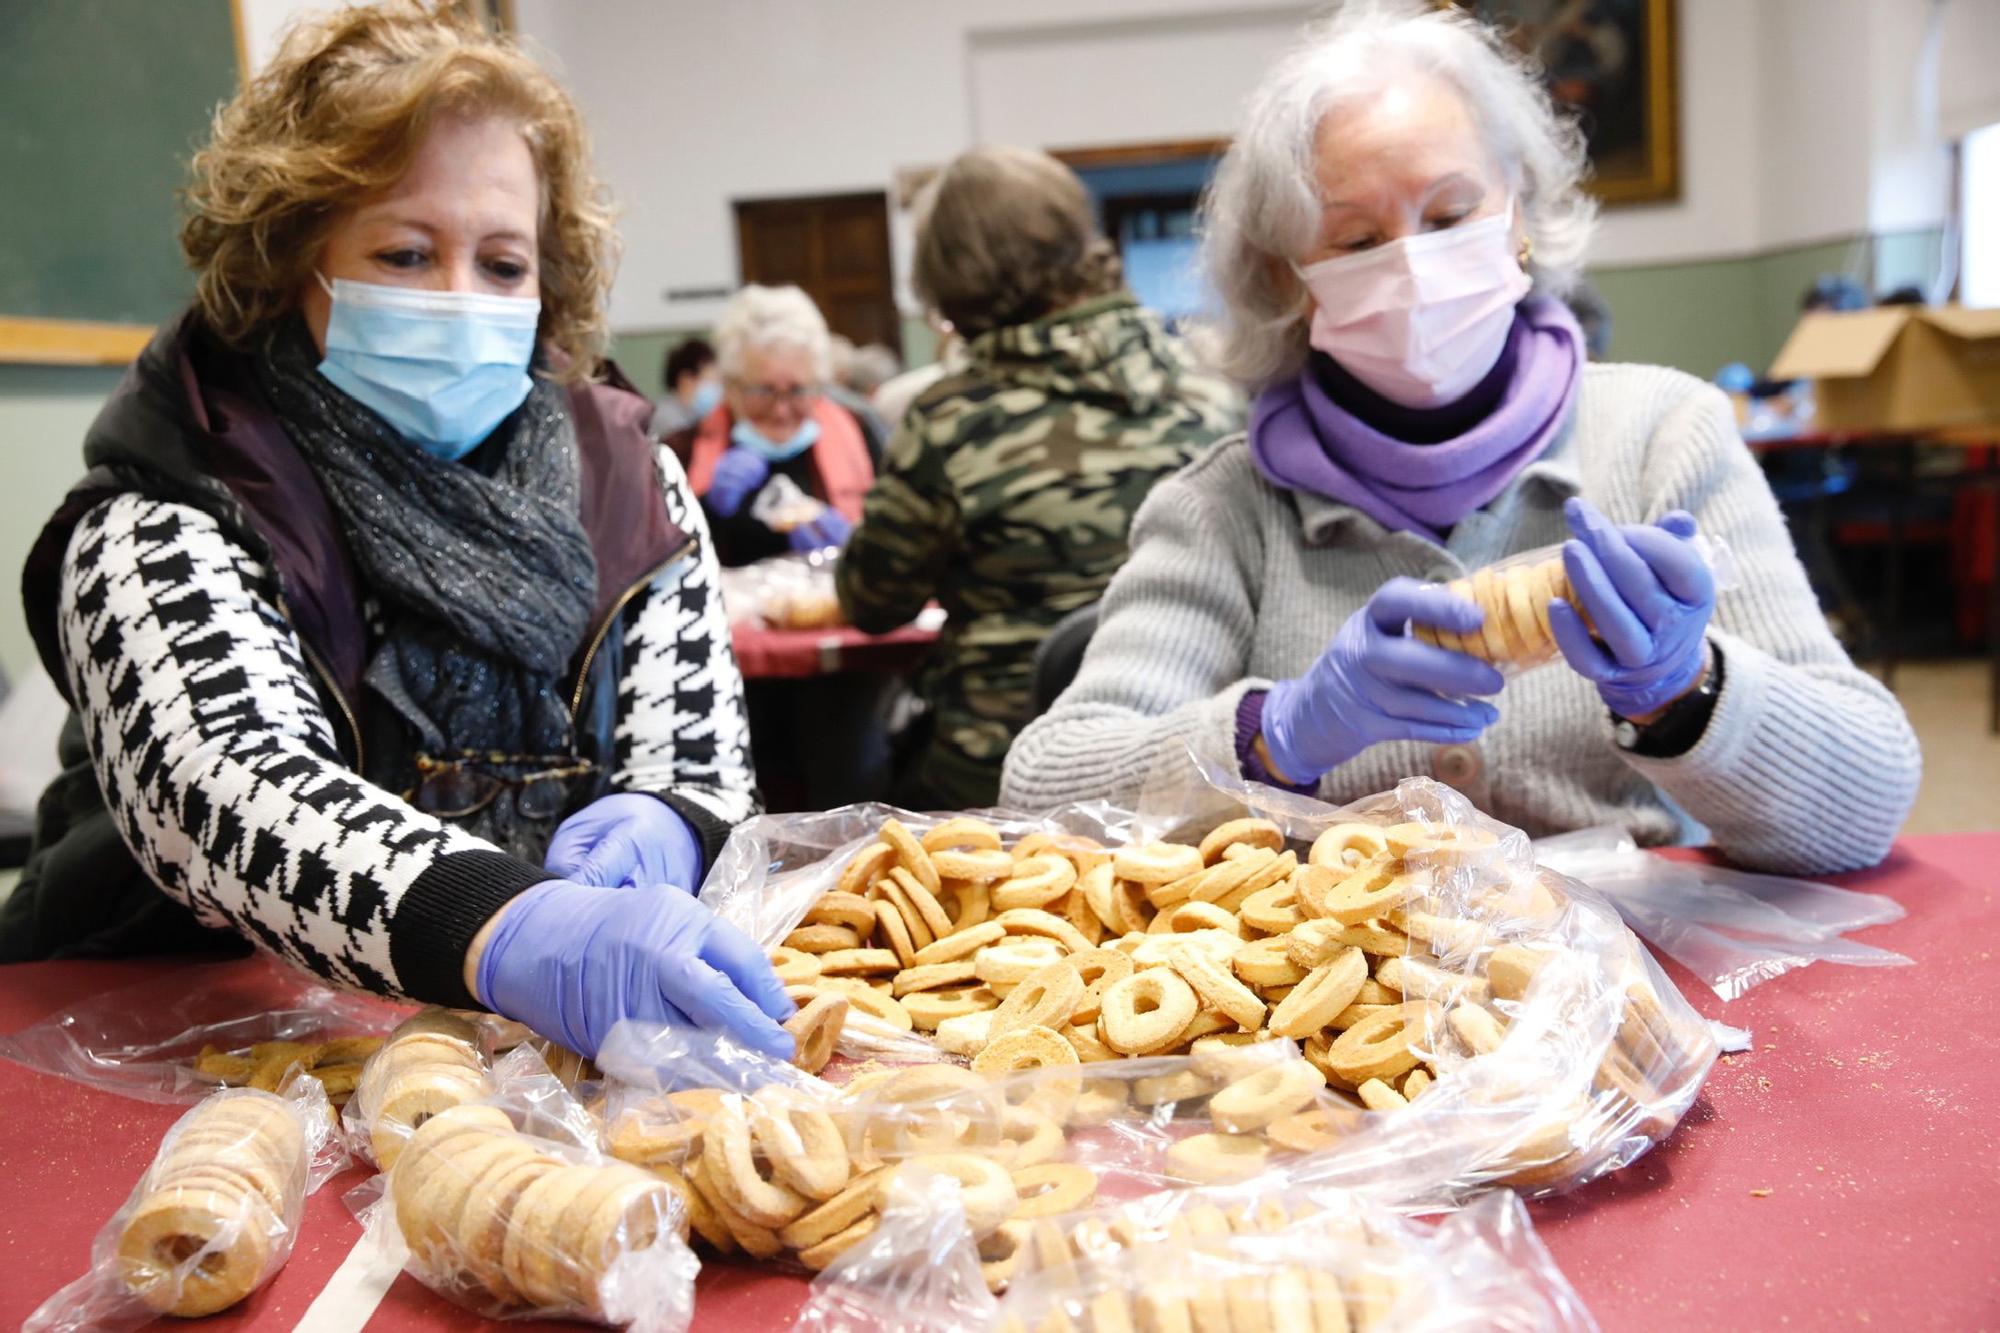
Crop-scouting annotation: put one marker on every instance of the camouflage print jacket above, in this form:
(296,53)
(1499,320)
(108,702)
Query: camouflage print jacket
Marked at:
(1007,493)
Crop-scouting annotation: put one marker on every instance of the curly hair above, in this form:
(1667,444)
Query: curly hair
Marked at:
(339,116)
(1006,236)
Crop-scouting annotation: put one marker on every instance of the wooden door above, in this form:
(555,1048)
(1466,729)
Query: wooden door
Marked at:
(834,246)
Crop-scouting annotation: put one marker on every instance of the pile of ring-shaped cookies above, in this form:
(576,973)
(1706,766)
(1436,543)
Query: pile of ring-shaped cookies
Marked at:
(488,1211)
(806,1175)
(214,1211)
(1516,601)
(1124,1268)
(1059,952)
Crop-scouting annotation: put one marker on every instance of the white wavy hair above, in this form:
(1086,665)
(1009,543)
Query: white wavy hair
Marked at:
(759,317)
(1262,211)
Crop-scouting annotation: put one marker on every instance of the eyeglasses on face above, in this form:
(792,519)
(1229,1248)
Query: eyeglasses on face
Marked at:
(762,396)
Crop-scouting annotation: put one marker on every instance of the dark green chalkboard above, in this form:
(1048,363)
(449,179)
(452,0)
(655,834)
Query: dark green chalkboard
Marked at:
(101,104)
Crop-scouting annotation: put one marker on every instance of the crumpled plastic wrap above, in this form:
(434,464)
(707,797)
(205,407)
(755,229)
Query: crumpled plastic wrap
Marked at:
(147,1040)
(785,591)
(213,1217)
(506,1206)
(1731,928)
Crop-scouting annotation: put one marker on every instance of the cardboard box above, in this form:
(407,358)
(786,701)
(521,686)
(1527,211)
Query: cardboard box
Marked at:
(1898,368)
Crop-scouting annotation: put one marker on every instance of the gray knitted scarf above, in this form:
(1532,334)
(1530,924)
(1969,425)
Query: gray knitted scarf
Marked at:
(485,584)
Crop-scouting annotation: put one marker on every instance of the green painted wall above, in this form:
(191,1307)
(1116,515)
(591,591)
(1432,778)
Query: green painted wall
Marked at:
(1701,316)
(44,411)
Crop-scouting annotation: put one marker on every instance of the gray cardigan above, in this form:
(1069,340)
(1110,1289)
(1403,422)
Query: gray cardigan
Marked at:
(1807,765)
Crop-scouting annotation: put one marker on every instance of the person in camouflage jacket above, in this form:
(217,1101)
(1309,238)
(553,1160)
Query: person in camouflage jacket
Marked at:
(1009,487)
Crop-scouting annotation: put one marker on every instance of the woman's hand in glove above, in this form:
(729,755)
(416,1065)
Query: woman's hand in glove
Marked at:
(571,960)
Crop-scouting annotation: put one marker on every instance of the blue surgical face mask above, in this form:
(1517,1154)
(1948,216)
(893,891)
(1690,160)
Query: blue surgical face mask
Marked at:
(707,397)
(749,437)
(443,368)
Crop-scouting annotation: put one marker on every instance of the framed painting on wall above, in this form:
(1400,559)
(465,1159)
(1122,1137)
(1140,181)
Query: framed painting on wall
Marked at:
(1612,62)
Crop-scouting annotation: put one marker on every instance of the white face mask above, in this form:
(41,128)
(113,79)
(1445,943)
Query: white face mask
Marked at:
(1422,319)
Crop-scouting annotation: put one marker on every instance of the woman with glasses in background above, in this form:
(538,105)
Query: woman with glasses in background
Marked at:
(779,466)
(392,636)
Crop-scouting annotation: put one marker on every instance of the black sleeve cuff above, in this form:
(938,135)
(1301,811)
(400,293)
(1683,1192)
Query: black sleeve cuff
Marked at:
(713,832)
(1682,726)
(439,914)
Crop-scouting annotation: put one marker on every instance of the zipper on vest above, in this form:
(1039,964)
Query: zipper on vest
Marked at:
(332,686)
(679,553)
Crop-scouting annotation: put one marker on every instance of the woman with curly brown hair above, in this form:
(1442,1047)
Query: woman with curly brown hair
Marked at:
(392,638)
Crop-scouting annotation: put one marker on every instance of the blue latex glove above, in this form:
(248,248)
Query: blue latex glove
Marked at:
(1650,595)
(630,840)
(831,528)
(570,960)
(1375,683)
(739,474)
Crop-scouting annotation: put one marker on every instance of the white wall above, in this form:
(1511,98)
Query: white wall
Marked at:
(695,104)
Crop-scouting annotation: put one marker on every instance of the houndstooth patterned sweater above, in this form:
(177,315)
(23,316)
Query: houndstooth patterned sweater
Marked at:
(223,774)
(1807,765)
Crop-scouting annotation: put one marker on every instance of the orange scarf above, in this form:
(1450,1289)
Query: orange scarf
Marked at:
(839,456)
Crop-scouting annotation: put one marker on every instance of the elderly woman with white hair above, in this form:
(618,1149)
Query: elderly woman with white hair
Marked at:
(776,428)
(1389,236)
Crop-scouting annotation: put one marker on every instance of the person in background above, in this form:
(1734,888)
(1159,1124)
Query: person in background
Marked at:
(1010,484)
(776,425)
(694,387)
(1389,236)
(379,609)
(872,366)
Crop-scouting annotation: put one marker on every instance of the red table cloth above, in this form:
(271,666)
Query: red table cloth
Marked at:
(774,654)
(1846,1172)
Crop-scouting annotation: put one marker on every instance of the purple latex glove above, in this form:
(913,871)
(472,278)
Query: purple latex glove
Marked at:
(1375,683)
(739,474)
(630,840)
(831,528)
(570,960)
(1650,595)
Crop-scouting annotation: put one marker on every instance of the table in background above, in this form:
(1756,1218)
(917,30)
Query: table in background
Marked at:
(1845,1172)
(796,654)
(1902,447)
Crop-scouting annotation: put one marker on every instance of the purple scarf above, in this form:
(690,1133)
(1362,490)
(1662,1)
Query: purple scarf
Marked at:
(1302,440)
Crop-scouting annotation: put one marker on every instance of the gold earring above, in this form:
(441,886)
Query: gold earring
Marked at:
(1527,250)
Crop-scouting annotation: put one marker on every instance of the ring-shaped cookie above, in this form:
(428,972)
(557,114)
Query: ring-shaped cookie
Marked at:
(1035,882)
(1253,832)
(910,854)
(869,864)
(1344,846)
(1146,1010)
(1156,862)
(231,1234)
(961,832)
(1046,997)
(816,1029)
(728,1155)
(1381,1045)
(835,908)
(981,866)
(1035,921)
(1270,1094)
(1216,987)
(1326,991)
(803,1145)
(1014,960)
(1051,1188)
(795,967)
(986,1191)
(1214,1159)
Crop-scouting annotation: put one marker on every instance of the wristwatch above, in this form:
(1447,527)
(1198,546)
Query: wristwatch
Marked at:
(1678,729)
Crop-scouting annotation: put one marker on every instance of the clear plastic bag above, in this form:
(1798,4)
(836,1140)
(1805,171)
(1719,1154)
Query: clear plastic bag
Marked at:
(917,1272)
(507,1207)
(214,1216)
(179,1038)
(785,592)
(1515,594)
(1528,1038)
(1731,928)
(1288,1258)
